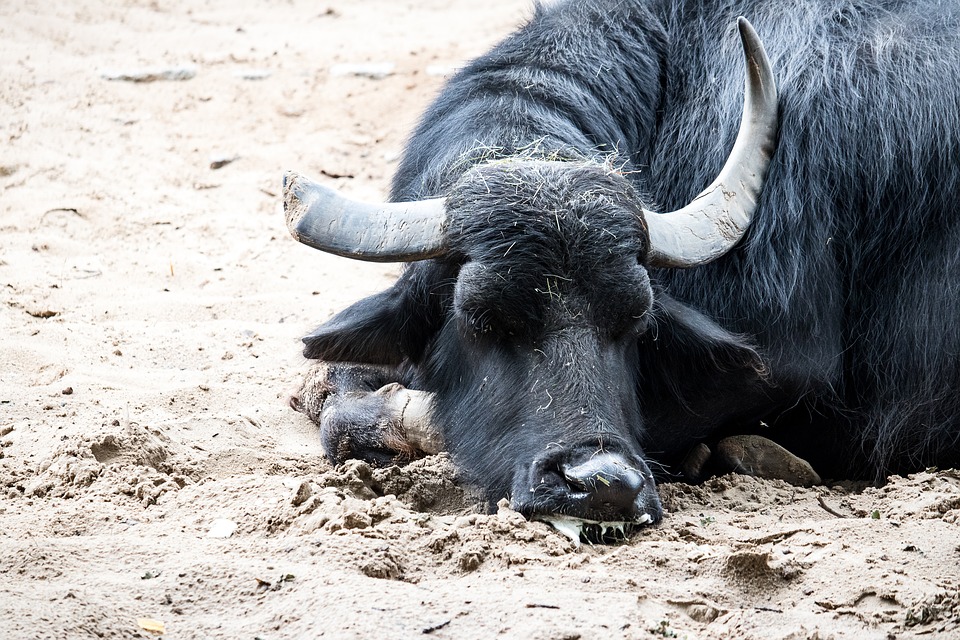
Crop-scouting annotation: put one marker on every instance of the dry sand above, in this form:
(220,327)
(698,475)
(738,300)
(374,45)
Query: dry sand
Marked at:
(151,310)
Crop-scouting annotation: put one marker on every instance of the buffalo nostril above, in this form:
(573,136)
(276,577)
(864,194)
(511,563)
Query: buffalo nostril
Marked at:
(607,478)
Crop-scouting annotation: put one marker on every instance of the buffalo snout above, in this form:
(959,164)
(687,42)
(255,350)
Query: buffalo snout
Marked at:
(588,493)
(607,481)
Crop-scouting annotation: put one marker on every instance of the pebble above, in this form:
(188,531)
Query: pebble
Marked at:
(442,70)
(220,161)
(253,74)
(302,494)
(222,528)
(373,70)
(150,75)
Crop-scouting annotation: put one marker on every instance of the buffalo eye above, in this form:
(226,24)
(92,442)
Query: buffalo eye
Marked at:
(470,299)
(479,320)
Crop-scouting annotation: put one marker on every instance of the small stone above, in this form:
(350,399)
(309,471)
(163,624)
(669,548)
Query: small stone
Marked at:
(703,613)
(290,111)
(220,161)
(151,75)
(253,74)
(372,70)
(41,313)
(471,557)
(356,520)
(222,528)
(302,494)
(383,564)
(68,391)
(442,70)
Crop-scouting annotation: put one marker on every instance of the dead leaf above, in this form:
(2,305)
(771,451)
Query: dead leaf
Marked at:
(149,624)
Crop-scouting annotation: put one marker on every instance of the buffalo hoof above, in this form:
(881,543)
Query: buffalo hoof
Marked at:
(757,456)
(694,465)
(364,416)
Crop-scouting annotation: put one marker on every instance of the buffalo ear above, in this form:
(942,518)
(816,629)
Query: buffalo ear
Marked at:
(688,337)
(385,328)
(696,375)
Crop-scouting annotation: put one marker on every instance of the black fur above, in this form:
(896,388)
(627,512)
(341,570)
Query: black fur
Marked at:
(836,320)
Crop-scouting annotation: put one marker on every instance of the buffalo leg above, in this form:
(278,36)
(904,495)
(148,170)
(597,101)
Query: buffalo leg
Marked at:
(363,413)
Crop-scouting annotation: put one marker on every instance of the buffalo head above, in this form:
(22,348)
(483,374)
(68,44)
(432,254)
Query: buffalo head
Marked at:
(522,312)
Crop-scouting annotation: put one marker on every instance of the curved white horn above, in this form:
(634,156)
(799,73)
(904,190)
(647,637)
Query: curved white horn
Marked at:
(709,226)
(324,219)
(414,409)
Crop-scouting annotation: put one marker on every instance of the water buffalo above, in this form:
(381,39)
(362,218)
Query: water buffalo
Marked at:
(567,334)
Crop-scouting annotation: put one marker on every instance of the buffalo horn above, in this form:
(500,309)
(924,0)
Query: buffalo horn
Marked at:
(324,219)
(412,410)
(709,226)
(418,425)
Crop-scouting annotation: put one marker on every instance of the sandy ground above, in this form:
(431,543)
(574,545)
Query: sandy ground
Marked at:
(150,311)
